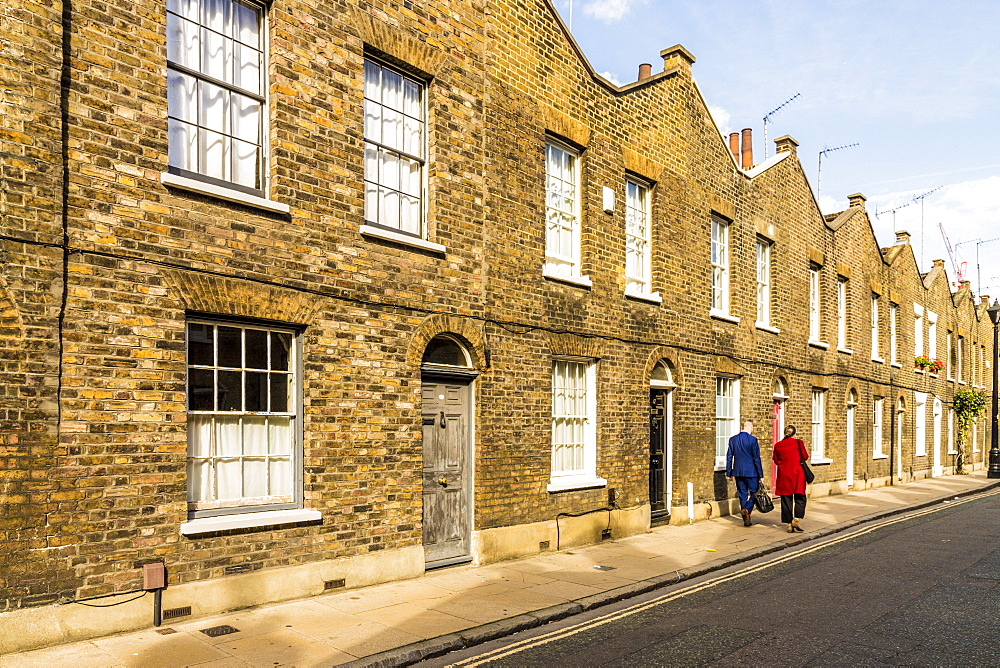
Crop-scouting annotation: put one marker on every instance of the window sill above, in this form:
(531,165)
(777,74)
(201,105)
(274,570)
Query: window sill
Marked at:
(574,482)
(962,382)
(952,452)
(202,188)
(204,525)
(919,371)
(819,344)
(933,375)
(878,360)
(582,281)
(880,456)
(653,297)
(766,327)
(820,460)
(715,313)
(896,365)
(920,454)
(846,351)
(400,238)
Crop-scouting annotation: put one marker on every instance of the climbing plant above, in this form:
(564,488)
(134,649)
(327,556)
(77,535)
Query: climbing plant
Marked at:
(969,405)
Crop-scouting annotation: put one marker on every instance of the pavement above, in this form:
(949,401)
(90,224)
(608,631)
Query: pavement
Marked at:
(400,623)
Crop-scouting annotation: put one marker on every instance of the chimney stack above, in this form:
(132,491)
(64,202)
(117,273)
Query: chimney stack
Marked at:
(857,199)
(645,71)
(747,149)
(734,146)
(902,238)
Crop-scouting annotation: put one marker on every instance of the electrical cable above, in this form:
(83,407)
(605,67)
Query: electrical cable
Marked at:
(82,601)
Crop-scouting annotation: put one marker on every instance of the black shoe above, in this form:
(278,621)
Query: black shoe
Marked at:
(746,518)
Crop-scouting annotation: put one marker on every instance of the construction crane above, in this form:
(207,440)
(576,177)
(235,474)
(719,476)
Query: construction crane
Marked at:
(959,272)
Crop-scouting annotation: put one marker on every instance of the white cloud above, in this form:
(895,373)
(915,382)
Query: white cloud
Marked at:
(968,211)
(612,77)
(609,11)
(722,119)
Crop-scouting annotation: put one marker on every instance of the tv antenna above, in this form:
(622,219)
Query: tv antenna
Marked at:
(893,211)
(922,198)
(768,115)
(819,170)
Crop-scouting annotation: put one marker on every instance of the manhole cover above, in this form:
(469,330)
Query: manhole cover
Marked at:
(221,630)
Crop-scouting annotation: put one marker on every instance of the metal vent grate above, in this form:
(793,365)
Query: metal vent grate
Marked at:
(221,630)
(334,584)
(174,613)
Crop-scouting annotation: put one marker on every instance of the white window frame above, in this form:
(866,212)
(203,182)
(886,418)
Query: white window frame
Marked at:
(563,213)
(894,334)
(217,105)
(818,455)
(720,249)
(264,420)
(952,450)
(639,240)
(814,305)
(920,424)
(395,141)
(959,354)
(574,433)
(763,283)
(950,362)
(931,336)
(876,352)
(727,416)
(918,330)
(878,433)
(842,314)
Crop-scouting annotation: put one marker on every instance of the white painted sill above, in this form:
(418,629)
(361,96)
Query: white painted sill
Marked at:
(880,456)
(653,297)
(821,460)
(569,483)
(918,370)
(204,525)
(766,327)
(846,351)
(819,344)
(582,281)
(400,238)
(715,313)
(897,365)
(228,194)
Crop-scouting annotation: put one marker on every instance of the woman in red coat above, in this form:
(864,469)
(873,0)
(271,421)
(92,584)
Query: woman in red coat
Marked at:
(790,482)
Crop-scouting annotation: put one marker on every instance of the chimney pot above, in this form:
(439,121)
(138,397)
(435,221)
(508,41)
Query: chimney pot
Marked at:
(747,148)
(645,71)
(734,146)
(902,238)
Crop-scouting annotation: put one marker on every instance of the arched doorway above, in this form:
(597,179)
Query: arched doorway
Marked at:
(852,412)
(779,396)
(661,440)
(447,377)
(900,415)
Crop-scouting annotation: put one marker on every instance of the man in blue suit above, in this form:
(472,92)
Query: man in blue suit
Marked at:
(743,463)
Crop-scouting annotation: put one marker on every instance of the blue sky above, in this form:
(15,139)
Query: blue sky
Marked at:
(916,83)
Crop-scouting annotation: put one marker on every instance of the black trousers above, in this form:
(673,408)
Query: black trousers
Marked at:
(799,501)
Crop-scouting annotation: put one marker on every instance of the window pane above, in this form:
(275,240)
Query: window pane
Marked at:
(245,163)
(392,129)
(256,391)
(200,387)
(256,342)
(200,344)
(373,81)
(281,346)
(229,479)
(183,141)
(217,56)
(373,121)
(254,436)
(279,435)
(411,99)
(392,90)
(214,107)
(187,8)
(255,477)
(389,208)
(183,42)
(247,28)
(214,158)
(230,391)
(199,480)
(200,436)
(230,346)
(281,477)
(182,100)
(280,391)
(245,118)
(412,136)
(216,15)
(228,439)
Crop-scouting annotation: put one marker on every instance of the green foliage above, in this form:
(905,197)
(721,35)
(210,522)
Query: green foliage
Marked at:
(969,405)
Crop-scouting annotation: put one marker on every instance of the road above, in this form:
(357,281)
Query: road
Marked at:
(919,589)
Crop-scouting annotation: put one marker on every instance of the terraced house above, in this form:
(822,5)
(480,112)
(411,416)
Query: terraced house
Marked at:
(298,296)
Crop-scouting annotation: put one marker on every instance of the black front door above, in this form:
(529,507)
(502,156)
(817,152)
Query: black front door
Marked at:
(658,452)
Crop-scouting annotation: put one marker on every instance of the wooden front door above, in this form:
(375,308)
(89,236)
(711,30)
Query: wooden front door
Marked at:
(659,453)
(446,493)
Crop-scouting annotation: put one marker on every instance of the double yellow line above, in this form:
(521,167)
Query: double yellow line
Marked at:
(666,598)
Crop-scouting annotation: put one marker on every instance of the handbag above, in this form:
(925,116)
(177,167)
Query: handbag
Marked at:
(762,501)
(810,476)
